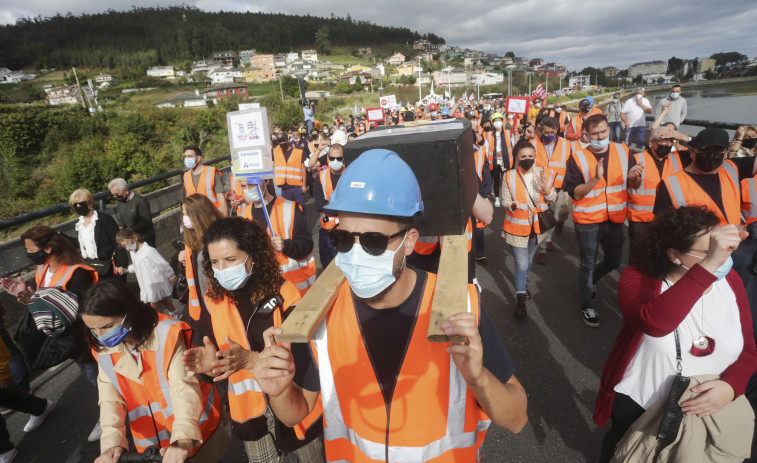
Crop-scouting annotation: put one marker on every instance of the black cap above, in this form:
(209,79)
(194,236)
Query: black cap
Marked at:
(711,137)
(282,137)
(584,102)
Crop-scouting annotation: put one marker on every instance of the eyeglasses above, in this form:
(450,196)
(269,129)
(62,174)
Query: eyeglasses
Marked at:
(374,243)
(335,158)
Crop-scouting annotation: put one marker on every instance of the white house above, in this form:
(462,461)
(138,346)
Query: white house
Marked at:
(310,56)
(245,55)
(487,78)
(186,100)
(225,75)
(68,94)
(164,72)
(579,81)
(380,68)
(204,66)
(290,57)
(105,77)
(396,59)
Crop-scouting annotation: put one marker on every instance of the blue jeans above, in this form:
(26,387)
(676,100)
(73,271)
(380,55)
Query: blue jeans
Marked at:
(478,239)
(523,259)
(326,250)
(615,132)
(611,236)
(636,135)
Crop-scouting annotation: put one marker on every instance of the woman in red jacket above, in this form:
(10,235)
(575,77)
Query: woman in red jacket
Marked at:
(683,282)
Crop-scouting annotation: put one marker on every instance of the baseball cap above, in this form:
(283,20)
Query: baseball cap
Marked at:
(584,102)
(711,137)
(282,137)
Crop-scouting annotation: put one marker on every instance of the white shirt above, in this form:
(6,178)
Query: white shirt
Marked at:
(635,115)
(86,233)
(653,366)
(48,278)
(498,144)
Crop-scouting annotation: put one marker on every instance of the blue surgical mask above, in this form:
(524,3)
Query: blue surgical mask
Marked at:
(190,162)
(723,270)
(336,165)
(600,144)
(252,194)
(234,277)
(548,138)
(368,275)
(325,150)
(674,96)
(558,110)
(615,100)
(115,336)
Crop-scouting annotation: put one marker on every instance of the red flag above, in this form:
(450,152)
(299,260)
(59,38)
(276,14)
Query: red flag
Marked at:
(539,92)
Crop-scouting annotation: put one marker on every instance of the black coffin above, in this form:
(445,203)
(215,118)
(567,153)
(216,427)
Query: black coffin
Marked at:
(441,156)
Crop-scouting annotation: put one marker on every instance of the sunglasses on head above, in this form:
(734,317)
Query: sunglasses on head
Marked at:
(335,158)
(374,243)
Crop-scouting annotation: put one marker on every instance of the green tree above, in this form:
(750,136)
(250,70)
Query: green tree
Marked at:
(675,66)
(725,59)
(510,54)
(358,85)
(322,42)
(342,87)
(710,74)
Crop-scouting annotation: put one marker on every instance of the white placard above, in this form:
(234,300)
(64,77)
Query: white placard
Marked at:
(251,160)
(246,130)
(247,106)
(388,102)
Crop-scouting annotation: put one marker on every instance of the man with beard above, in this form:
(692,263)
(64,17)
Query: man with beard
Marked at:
(388,393)
(707,178)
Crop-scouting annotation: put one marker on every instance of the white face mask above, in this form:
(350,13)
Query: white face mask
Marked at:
(498,125)
(336,165)
(251,194)
(538,105)
(368,275)
(187,222)
(638,96)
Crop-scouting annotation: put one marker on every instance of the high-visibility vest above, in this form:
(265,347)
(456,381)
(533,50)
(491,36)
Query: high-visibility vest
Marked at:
(193,299)
(641,200)
(749,200)
(573,131)
(542,158)
(684,191)
(479,156)
(149,406)
(489,143)
(205,185)
(518,222)
(62,275)
(434,415)
(246,399)
(236,188)
(558,162)
(328,221)
(562,118)
(607,200)
(287,172)
(300,272)
(426,245)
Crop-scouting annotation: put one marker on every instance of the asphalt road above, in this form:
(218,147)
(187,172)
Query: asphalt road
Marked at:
(558,359)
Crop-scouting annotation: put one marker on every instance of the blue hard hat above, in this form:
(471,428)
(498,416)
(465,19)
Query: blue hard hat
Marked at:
(378,182)
(445,112)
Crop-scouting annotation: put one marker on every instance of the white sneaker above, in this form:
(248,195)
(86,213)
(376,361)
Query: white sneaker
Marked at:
(7,457)
(96,433)
(36,421)
(496,202)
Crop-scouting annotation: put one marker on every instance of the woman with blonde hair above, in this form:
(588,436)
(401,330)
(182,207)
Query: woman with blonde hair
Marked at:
(96,233)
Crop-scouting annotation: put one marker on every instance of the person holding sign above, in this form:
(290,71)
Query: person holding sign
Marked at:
(205,180)
(286,225)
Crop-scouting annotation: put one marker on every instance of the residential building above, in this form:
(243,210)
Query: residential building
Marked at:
(264,62)
(279,61)
(15,77)
(317,94)
(225,58)
(183,100)
(646,68)
(204,66)
(487,78)
(536,62)
(225,91)
(164,72)
(365,52)
(251,75)
(579,81)
(408,69)
(244,56)
(610,71)
(454,77)
(225,74)
(68,94)
(105,77)
(358,68)
(420,44)
(396,59)
(351,78)
(380,68)
(310,56)
(520,61)
(291,56)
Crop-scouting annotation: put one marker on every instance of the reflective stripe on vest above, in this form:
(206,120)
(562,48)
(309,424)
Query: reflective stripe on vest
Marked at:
(289,171)
(641,200)
(749,200)
(205,184)
(458,438)
(558,162)
(327,221)
(608,199)
(62,275)
(426,245)
(193,299)
(684,191)
(520,221)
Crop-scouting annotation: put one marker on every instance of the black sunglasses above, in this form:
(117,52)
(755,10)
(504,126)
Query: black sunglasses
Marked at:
(374,243)
(335,158)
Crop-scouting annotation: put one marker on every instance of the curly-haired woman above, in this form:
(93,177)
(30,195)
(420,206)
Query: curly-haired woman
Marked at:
(683,283)
(246,295)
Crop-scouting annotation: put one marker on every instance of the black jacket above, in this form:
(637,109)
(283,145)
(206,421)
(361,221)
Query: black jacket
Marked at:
(106,229)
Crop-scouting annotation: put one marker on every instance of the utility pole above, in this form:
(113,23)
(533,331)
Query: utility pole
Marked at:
(281,88)
(529,83)
(420,87)
(546,90)
(78,87)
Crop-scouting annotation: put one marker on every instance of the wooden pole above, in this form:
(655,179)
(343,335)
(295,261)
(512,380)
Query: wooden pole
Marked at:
(451,292)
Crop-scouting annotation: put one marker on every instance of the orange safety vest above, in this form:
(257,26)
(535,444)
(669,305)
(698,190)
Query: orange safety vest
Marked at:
(434,415)
(558,162)
(193,301)
(62,275)
(576,124)
(749,200)
(562,118)
(300,272)
(425,245)
(519,223)
(684,191)
(246,399)
(236,188)
(327,221)
(205,185)
(641,200)
(607,200)
(489,143)
(287,172)
(149,406)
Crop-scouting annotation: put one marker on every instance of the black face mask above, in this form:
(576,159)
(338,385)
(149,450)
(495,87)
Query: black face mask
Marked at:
(487,129)
(749,143)
(37,258)
(663,150)
(284,145)
(707,162)
(121,199)
(81,209)
(526,164)
(585,109)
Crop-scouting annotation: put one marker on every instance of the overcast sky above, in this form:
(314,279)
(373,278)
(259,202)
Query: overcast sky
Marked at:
(577,33)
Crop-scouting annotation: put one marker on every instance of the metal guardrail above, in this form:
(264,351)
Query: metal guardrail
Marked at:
(697,122)
(100,196)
